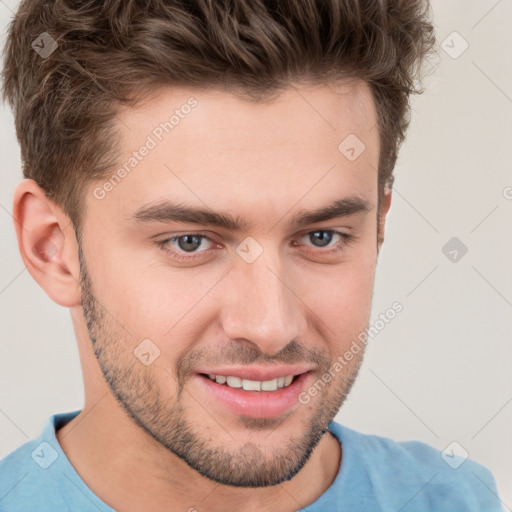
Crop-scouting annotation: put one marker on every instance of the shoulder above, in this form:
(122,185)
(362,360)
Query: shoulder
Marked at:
(38,476)
(23,477)
(435,480)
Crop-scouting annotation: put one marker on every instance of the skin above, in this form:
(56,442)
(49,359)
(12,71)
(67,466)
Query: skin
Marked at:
(151,434)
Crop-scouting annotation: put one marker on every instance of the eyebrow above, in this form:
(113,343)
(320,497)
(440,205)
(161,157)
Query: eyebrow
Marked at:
(166,211)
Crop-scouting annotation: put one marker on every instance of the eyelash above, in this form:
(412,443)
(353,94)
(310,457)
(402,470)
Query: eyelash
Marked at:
(346,239)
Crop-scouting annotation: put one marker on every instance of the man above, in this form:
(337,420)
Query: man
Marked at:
(182,160)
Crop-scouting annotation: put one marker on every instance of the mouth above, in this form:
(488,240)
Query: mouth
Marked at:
(253,398)
(252,385)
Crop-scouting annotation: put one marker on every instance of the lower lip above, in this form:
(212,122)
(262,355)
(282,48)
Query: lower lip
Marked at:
(257,404)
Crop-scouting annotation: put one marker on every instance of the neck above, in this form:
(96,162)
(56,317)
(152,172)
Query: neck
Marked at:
(126,468)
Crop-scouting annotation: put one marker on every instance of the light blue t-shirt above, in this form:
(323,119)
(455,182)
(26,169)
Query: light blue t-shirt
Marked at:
(377,475)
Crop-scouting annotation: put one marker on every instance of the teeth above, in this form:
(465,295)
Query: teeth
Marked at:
(252,385)
(234,382)
(269,385)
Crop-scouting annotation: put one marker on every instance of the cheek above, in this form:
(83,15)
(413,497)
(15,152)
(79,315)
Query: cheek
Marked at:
(341,298)
(154,301)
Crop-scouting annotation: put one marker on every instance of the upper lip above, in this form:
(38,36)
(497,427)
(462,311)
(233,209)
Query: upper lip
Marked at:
(260,373)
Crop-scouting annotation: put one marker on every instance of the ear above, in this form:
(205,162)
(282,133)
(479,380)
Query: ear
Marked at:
(384,208)
(47,243)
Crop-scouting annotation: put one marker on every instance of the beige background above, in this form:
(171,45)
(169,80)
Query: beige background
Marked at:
(440,371)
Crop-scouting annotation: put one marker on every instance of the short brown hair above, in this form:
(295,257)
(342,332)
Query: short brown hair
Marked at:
(114,52)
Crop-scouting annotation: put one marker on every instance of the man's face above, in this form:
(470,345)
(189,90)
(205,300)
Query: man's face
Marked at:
(169,302)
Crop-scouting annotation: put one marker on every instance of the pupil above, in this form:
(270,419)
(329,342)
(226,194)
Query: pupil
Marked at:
(189,243)
(322,239)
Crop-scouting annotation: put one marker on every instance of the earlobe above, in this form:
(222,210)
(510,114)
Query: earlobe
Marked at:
(47,243)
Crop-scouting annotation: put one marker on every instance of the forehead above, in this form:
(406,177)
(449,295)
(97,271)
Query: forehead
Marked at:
(208,147)
(220,116)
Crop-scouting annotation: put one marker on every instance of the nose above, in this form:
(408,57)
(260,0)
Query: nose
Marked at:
(260,304)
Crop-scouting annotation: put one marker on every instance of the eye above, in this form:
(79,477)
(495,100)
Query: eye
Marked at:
(180,245)
(186,246)
(323,238)
(318,237)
